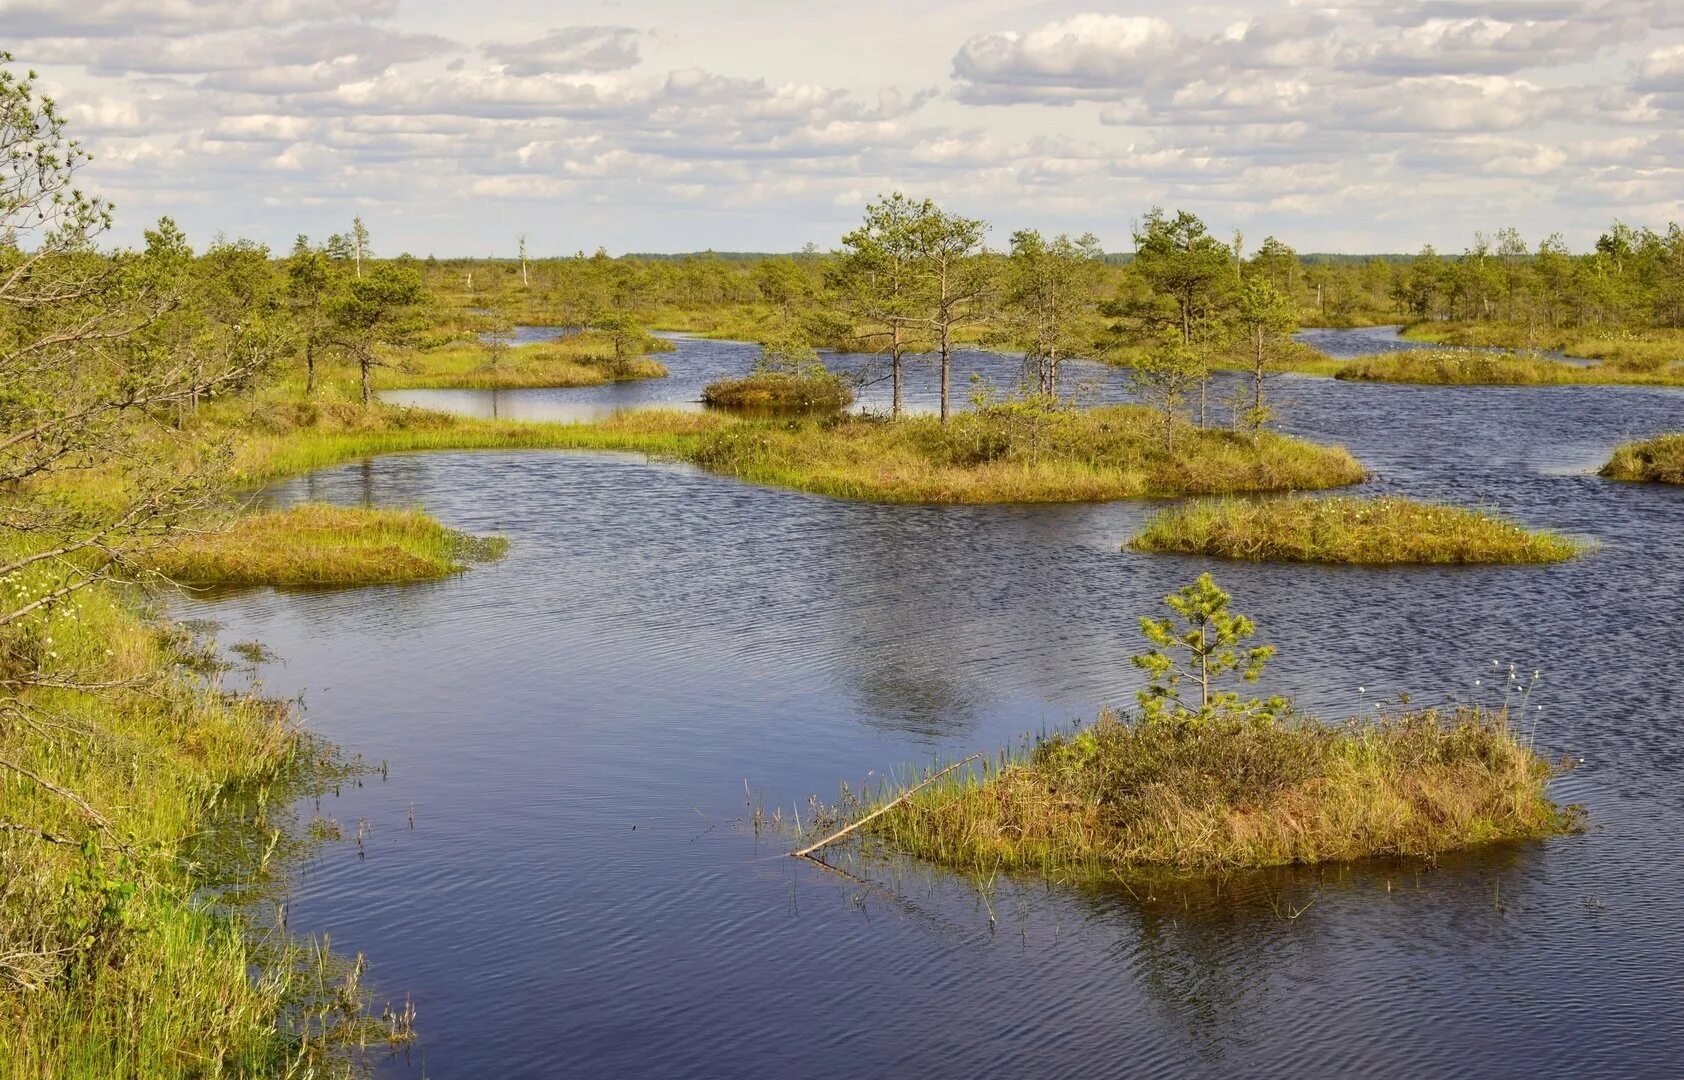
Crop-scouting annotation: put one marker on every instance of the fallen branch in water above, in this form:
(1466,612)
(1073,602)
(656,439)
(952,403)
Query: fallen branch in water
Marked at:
(884,809)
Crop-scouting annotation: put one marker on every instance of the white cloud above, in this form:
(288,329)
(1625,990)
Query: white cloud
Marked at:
(1385,118)
(570,50)
(121,18)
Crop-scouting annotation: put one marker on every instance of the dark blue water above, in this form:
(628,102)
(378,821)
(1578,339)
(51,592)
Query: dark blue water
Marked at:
(574,727)
(1344,344)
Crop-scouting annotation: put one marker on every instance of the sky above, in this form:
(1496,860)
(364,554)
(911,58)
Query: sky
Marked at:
(762,125)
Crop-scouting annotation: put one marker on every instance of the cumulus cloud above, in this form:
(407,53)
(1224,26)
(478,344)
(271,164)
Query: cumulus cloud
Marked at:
(120,18)
(1109,58)
(1345,112)
(1098,54)
(570,50)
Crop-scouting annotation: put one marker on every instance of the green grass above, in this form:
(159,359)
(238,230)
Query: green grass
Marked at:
(772,391)
(289,438)
(1123,797)
(318,544)
(583,359)
(1465,367)
(1659,460)
(125,948)
(1652,350)
(1486,335)
(1116,452)
(1343,529)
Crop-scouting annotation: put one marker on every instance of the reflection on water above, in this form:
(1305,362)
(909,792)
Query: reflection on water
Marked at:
(1345,344)
(696,362)
(575,727)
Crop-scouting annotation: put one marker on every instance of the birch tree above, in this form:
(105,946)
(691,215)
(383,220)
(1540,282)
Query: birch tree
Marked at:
(359,243)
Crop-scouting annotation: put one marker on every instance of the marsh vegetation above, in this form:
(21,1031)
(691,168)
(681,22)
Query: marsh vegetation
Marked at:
(318,544)
(147,390)
(1659,460)
(584,358)
(1341,529)
(1202,778)
(1469,367)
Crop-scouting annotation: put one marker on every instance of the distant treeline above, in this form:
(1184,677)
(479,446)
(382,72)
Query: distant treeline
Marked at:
(1111,258)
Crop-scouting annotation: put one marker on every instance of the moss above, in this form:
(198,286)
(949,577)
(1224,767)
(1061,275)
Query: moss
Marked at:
(1348,530)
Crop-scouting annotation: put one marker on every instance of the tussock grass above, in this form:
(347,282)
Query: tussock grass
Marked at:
(1344,529)
(1482,334)
(780,391)
(582,359)
(1650,349)
(1659,460)
(1116,452)
(1467,367)
(287,440)
(318,544)
(1121,797)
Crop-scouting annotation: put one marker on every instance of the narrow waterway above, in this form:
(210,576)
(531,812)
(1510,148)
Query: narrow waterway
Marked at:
(575,725)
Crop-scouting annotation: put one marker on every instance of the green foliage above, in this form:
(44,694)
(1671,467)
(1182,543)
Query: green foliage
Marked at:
(1265,319)
(1202,644)
(1181,260)
(786,352)
(1165,377)
(375,309)
(1051,301)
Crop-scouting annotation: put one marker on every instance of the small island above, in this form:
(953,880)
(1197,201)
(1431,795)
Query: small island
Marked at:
(1476,367)
(1201,779)
(1009,454)
(778,391)
(1345,529)
(582,358)
(316,544)
(1657,461)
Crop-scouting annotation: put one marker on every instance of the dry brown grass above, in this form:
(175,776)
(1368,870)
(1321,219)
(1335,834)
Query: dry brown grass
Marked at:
(319,544)
(1345,529)
(1121,797)
(1659,460)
